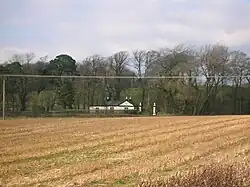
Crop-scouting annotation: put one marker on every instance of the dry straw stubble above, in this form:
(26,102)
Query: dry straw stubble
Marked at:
(221,174)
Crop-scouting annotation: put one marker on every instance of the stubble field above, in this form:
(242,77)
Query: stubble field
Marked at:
(115,151)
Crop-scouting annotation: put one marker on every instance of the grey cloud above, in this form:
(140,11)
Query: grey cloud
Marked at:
(105,26)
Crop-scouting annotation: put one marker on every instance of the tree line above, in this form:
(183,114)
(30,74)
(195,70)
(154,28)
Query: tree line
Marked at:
(215,81)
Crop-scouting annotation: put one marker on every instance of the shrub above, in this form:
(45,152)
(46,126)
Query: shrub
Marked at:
(213,175)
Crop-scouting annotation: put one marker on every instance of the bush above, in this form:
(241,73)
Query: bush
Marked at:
(214,175)
(37,110)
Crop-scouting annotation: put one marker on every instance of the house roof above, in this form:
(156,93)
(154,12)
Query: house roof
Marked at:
(114,103)
(117,103)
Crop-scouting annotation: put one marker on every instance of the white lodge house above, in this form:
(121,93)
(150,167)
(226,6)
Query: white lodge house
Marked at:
(115,107)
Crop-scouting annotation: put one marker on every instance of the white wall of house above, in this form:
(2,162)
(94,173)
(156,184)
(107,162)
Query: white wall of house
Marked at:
(126,105)
(123,108)
(117,108)
(95,107)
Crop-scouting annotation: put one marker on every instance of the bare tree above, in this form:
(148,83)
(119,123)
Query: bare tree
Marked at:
(174,62)
(93,65)
(213,60)
(25,58)
(118,64)
(238,66)
(23,82)
(143,61)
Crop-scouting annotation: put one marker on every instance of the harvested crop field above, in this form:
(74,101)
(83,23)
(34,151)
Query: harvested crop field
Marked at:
(115,151)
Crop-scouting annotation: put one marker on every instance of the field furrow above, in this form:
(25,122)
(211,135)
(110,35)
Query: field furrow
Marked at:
(59,152)
(107,140)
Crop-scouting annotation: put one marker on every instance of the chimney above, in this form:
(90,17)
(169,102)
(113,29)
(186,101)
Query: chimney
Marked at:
(130,98)
(126,98)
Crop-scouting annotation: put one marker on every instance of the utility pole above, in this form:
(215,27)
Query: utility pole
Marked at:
(3,98)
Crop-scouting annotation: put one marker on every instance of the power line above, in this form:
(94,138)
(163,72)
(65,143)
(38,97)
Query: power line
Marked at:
(118,77)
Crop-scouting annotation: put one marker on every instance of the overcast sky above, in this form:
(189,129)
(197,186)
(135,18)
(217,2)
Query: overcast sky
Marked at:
(85,27)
